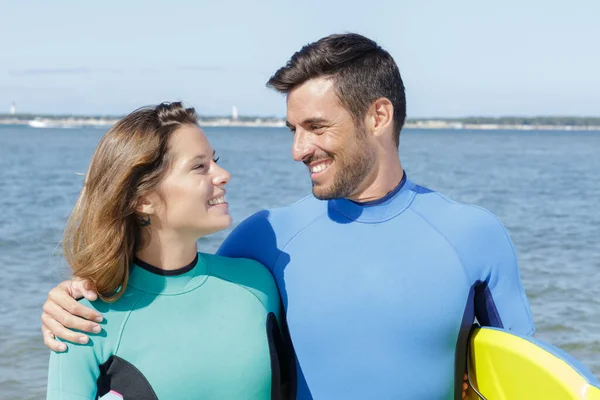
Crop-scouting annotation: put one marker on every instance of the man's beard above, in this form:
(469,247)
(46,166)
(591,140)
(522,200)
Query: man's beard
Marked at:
(351,173)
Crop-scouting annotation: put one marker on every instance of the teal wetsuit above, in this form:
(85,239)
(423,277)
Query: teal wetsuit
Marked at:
(207,331)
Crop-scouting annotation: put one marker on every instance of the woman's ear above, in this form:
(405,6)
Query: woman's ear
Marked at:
(145,205)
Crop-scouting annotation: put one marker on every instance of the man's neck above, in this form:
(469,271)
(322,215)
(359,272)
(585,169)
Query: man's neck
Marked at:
(384,178)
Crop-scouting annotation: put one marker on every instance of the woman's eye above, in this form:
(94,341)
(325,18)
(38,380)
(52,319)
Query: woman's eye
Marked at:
(199,166)
(216,160)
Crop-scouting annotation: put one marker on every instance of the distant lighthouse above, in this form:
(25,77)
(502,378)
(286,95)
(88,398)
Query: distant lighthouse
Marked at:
(13,109)
(234,113)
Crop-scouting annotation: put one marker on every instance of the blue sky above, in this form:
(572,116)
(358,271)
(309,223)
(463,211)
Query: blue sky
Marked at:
(457,58)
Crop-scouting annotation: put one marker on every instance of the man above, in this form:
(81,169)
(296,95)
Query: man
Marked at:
(381,278)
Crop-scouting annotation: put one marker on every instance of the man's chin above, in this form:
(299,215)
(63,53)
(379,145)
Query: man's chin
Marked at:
(323,193)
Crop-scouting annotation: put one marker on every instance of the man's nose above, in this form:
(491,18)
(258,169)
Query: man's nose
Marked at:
(303,146)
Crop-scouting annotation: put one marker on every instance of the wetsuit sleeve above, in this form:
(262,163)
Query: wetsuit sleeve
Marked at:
(280,344)
(500,300)
(259,281)
(253,238)
(72,374)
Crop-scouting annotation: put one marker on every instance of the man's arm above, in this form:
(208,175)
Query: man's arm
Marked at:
(62,313)
(253,238)
(500,300)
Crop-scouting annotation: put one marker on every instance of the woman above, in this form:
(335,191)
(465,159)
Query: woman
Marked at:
(178,324)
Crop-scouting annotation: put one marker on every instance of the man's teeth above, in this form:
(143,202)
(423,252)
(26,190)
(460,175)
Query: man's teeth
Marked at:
(319,168)
(217,200)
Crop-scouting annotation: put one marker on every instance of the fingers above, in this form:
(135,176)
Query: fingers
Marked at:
(53,328)
(61,297)
(51,342)
(62,311)
(465,386)
(66,319)
(85,288)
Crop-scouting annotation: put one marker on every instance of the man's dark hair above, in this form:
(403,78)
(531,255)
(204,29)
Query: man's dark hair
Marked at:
(361,71)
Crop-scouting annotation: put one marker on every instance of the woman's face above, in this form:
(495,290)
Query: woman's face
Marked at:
(192,193)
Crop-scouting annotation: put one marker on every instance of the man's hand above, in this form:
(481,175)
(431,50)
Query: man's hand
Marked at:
(62,313)
(467,392)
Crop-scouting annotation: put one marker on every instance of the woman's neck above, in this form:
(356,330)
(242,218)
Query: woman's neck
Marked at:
(168,251)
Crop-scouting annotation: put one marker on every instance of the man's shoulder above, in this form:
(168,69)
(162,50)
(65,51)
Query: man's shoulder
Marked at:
(306,207)
(453,217)
(475,233)
(262,235)
(288,218)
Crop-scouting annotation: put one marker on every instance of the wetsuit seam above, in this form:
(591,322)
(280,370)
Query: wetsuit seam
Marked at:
(382,219)
(512,246)
(245,288)
(294,237)
(507,238)
(452,246)
(125,320)
(504,233)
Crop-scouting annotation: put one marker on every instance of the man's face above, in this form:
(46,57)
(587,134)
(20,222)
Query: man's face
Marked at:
(338,154)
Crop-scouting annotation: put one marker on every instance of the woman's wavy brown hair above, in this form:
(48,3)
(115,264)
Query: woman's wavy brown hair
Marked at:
(104,230)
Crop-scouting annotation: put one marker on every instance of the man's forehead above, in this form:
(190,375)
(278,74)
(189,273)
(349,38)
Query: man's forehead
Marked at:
(317,89)
(315,98)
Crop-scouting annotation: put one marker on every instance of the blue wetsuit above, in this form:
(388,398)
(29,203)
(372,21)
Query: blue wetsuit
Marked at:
(380,296)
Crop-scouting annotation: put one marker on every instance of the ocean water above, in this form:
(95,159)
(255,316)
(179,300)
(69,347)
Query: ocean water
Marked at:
(544,186)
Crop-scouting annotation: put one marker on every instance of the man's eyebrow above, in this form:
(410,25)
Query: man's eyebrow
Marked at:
(308,121)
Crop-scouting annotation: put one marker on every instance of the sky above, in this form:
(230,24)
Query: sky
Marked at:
(457,58)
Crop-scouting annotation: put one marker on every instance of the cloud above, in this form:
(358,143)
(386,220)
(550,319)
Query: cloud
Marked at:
(49,71)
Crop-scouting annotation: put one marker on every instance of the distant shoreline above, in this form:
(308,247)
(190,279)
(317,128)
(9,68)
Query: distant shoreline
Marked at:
(428,124)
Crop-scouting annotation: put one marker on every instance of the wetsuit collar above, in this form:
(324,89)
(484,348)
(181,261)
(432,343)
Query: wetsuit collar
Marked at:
(384,198)
(378,210)
(151,279)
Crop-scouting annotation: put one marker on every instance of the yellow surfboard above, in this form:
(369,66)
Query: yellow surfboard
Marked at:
(505,366)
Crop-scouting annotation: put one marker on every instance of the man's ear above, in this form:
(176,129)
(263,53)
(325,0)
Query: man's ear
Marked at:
(384,115)
(380,116)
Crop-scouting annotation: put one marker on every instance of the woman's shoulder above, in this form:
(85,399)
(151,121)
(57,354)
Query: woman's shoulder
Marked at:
(115,312)
(250,274)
